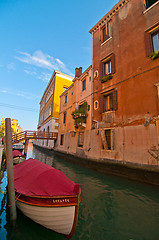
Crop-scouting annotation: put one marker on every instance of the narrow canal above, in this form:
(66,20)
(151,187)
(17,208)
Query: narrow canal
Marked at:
(112,208)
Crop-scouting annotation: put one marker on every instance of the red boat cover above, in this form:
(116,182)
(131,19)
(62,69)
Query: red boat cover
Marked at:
(17,153)
(35,178)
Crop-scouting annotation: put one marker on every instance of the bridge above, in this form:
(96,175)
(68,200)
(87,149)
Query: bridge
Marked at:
(26,135)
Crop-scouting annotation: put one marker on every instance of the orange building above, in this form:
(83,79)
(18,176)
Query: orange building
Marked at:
(125,90)
(126,80)
(75,112)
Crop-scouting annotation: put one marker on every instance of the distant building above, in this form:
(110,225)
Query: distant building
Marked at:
(50,105)
(14,125)
(75,112)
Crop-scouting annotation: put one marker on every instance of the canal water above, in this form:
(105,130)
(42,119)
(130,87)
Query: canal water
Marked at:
(112,208)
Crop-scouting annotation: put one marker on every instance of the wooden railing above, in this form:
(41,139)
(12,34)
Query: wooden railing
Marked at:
(18,137)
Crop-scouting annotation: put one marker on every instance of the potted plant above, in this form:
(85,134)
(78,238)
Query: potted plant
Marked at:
(80,115)
(154,55)
(107,77)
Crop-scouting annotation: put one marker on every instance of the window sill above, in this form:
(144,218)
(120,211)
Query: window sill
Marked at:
(108,150)
(109,111)
(106,41)
(148,9)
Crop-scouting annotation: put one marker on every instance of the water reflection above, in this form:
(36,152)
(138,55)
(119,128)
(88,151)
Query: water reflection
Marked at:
(112,208)
(3,200)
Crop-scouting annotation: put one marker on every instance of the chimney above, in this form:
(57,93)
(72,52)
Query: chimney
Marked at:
(78,72)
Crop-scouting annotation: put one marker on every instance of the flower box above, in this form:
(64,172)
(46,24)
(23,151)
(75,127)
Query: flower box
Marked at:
(106,77)
(154,55)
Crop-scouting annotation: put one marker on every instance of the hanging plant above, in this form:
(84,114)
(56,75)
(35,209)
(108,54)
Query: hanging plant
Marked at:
(154,55)
(107,77)
(80,115)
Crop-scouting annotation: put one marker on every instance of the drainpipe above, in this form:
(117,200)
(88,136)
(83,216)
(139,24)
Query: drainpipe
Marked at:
(92,86)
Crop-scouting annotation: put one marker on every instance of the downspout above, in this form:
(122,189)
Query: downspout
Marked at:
(92,85)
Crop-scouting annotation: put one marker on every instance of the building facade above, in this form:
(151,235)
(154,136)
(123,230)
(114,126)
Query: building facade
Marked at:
(14,126)
(50,105)
(75,112)
(125,88)
(126,77)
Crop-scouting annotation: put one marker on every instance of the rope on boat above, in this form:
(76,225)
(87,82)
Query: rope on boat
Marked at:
(16,198)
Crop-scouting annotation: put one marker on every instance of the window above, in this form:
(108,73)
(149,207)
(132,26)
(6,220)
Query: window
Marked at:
(80,139)
(107,139)
(83,85)
(155,41)
(106,32)
(149,3)
(65,98)
(107,67)
(152,41)
(96,105)
(64,118)
(62,139)
(110,101)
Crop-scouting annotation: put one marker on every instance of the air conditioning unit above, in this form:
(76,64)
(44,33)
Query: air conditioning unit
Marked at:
(96,73)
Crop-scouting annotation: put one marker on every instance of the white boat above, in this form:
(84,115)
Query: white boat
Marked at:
(18,157)
(47,196)
(18,146)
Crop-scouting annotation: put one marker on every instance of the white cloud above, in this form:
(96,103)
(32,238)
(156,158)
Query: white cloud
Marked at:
(11,67)
(45,76)
(23,94)
(42,60)
(33,73)
(38,59)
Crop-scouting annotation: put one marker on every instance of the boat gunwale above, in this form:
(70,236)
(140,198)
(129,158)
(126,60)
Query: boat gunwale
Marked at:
(76,199)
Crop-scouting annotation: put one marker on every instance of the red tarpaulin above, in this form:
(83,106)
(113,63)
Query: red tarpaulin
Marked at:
(17,153)
(36,178)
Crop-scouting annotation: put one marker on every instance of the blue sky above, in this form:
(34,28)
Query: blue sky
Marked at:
(37,37)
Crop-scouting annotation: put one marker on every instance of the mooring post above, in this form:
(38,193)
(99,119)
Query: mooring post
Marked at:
(10,173)
(26,146)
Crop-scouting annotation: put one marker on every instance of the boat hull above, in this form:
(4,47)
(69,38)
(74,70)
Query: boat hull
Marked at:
(18,160)
(60,217)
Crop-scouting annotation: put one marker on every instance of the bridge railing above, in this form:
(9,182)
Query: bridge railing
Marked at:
(33,135)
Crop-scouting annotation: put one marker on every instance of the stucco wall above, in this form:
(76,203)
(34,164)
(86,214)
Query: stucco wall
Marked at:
(131,144)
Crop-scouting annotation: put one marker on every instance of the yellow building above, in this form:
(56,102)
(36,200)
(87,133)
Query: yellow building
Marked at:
(50,105)
(14,125)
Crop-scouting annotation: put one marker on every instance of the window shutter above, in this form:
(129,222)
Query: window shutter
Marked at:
(101,72)
(115,100)
(148,44)
(113,63)
(103,103)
